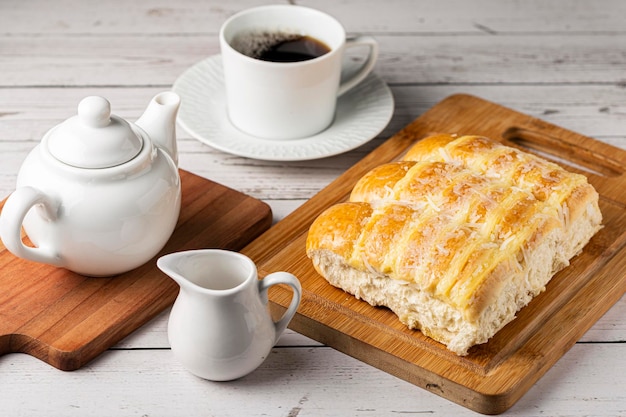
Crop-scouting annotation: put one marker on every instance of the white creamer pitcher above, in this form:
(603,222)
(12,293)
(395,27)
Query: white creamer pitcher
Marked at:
(220,327)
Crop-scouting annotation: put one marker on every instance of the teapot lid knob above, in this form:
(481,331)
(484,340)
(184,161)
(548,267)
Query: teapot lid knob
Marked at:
(95,111)
(94,138)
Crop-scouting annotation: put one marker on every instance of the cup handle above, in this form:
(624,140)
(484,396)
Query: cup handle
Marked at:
(15,209)
(292,281)
(367,66)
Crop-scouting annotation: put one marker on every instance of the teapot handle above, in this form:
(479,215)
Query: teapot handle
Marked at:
(15,209)
(292,281)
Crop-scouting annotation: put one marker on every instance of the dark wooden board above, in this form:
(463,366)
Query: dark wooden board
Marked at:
(496,374)
(66,319)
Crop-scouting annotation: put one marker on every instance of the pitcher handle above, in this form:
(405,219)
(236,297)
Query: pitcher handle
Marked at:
(366,68)
(15,209)
(288,279)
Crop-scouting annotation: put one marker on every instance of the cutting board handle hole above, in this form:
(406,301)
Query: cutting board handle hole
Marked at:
(567,154)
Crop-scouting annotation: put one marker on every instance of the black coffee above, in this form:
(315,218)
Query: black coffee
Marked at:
(279,46)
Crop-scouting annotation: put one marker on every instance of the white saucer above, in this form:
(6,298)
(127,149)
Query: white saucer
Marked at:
(362,113)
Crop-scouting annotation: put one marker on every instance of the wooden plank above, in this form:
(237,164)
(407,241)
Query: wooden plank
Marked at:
(433,59)
(597,110)
(301,381)
(496,374)
(66,319)
(198,16)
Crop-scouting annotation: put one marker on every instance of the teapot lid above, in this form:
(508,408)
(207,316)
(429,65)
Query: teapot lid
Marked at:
(94,138)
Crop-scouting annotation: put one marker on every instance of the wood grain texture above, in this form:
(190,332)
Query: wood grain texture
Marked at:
(406,59)
(66,319)
(582,90)
(496,374)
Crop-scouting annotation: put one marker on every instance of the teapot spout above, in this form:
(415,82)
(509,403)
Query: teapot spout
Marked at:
(159,122)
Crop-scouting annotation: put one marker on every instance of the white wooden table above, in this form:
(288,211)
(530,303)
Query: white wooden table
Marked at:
(562,61)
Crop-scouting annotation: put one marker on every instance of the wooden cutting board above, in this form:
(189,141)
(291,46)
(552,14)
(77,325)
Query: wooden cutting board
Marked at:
(496,374)
(66,319)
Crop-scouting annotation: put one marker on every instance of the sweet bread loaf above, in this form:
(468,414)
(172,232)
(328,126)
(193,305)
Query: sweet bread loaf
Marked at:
(457,237)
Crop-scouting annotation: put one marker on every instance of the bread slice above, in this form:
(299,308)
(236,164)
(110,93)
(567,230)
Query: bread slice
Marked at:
(457,237)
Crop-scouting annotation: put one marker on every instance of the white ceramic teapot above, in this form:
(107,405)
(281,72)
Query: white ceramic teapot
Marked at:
(99,195)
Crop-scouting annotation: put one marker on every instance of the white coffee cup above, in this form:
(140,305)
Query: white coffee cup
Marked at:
(287,100)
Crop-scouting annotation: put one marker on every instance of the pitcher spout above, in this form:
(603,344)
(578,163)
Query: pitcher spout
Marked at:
(175,266)
(159,122)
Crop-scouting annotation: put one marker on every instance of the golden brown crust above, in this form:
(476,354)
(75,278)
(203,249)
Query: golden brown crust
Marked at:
(427,146)
(463,220)
(376,184)
(338,228)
